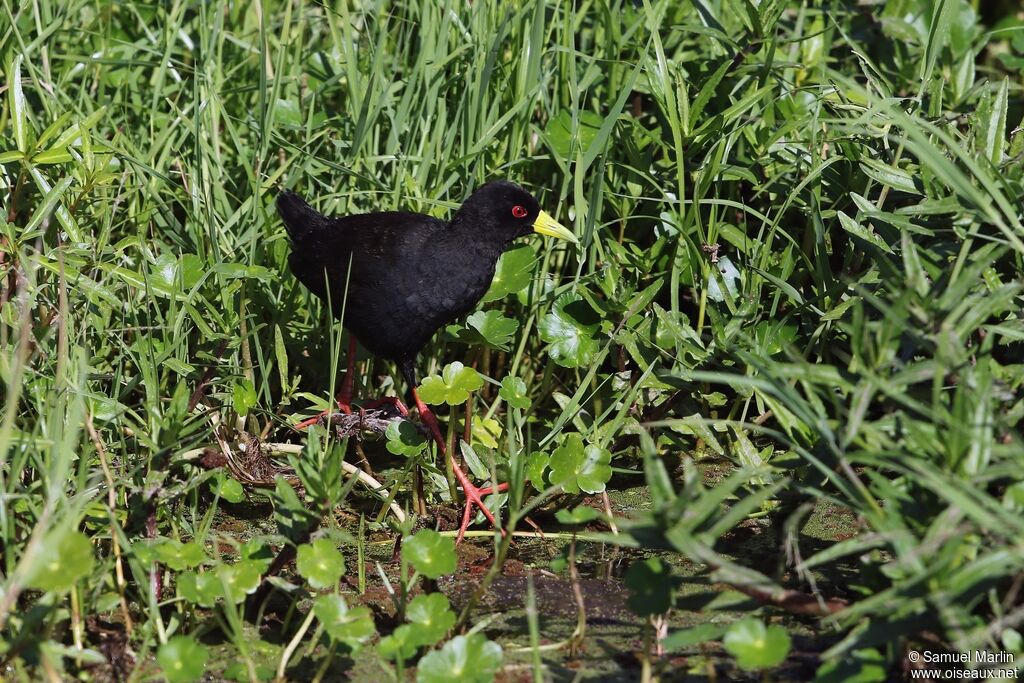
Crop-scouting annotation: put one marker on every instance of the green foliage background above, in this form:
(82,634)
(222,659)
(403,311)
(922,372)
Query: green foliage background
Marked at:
(801,255)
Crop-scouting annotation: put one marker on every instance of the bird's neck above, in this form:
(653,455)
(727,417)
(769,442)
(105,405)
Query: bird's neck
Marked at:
(475,237)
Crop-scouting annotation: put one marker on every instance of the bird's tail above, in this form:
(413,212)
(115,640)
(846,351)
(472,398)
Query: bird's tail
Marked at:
(300,219)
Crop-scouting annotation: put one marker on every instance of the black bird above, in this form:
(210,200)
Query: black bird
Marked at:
(394,278)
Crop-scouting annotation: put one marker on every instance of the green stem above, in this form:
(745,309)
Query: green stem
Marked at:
(293,644)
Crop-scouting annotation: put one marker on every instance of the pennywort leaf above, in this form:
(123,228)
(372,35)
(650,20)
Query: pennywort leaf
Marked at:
(430,553)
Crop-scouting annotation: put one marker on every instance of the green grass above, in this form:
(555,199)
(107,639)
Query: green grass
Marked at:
(798,291)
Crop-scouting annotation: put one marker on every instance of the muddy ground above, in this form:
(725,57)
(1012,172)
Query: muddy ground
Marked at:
(614,639)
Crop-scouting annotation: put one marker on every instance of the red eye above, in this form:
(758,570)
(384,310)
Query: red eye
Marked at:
(518,211)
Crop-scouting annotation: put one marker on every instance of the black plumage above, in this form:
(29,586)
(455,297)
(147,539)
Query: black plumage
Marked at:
(407,274)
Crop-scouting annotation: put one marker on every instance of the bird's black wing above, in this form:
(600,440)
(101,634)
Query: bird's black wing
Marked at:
(388,253)
(371,262)
(323,244)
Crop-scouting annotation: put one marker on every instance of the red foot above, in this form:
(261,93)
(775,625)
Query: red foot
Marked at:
(472,493)
(474,497)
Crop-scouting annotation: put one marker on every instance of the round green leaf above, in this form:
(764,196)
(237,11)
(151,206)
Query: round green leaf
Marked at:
(402,644)
(430,553)
(730,277)
(571,329)
(64,557)
(596,469)
(581,514)
(258,552)
(239,672)
(433,390)
(536,465)
(463,659)
(193,267)
(182,659)
(404,439)
(576,467)
(287,112)
(146,551)
(320,563)
(544,288)
(177,555)
(756,646)
(199,589)
(230,490)
(562,131)
(243,397)
(560,561)
(432,617)
(486,432)
(651,585)
(239,579)
(164,273)
(513,392)
(190,555)
(493,328)
(513,273)
(452,387)
(350,626)
(772,337)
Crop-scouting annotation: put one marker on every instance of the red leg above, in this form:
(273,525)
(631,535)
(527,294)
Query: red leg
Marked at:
(344,398)
(428,419)
(472,493)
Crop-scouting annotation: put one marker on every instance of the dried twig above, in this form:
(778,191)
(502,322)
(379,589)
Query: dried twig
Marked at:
(794,601)
(354,425)
(250,463)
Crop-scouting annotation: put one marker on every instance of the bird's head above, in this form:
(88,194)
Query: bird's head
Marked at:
(507,211)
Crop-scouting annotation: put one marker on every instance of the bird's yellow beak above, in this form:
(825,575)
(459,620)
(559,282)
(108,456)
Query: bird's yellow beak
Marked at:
(546,225)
